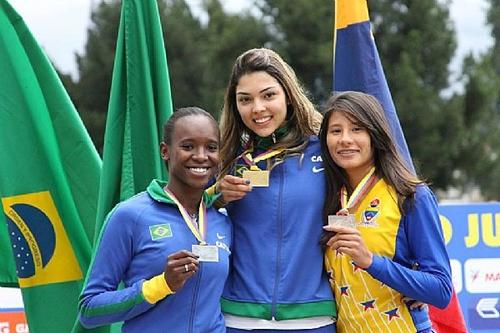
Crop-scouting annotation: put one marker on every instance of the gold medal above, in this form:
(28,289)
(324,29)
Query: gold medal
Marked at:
(258,178)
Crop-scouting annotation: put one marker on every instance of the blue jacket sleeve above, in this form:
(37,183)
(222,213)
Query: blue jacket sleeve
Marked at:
(424,271)
(101,301)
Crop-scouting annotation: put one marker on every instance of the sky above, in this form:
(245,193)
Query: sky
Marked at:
(60,26)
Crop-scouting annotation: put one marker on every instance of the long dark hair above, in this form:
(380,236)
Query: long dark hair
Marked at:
(302,118)
(366,111)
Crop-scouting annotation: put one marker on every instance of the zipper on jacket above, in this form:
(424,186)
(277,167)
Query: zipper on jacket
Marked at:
(280,238)
(195,298)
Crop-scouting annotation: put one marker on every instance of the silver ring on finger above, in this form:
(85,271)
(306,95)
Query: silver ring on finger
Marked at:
(186,268)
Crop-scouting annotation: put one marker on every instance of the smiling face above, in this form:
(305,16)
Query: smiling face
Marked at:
(261,102)
(350,147)
(193,155)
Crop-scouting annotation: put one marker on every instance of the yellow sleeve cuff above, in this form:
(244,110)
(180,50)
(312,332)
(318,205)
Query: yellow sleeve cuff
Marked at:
(155,289)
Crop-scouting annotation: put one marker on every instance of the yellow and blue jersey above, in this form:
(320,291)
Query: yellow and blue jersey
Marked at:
(409,259)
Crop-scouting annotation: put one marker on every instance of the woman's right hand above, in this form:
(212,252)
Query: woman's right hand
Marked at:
(233,188)
(180,266)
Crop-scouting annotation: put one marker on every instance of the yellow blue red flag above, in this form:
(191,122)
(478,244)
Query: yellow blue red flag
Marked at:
(357,63)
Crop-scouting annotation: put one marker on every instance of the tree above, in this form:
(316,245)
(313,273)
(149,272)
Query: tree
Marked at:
(480,105)
(199,56)
(481,144)
(184,37)
(228,35)
(416,42)
(302,34)
(95,68)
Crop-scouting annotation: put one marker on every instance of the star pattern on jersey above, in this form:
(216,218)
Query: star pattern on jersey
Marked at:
(392,314)
(343,290)
(368,304)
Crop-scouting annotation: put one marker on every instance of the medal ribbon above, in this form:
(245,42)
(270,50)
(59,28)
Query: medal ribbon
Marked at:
(200,233)
(252,161)
(359,192)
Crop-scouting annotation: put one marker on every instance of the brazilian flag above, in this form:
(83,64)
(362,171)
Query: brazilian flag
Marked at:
(49,178)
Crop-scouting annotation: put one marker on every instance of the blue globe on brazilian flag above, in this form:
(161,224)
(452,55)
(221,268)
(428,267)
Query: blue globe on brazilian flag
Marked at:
(41,247)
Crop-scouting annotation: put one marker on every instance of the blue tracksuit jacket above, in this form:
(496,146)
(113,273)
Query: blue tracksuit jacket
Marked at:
(135,241)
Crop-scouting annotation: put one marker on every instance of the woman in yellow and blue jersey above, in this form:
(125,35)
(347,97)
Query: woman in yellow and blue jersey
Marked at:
(385,246)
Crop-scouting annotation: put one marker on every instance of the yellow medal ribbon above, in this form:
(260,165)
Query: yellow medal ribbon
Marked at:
(252,162)
(358,194)
(200,231)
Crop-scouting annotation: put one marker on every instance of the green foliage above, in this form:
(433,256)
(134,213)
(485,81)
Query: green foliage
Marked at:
(302,34)
(185,59)
(481,115)
(227,36)
(416,42)
(453,140)
(95,68)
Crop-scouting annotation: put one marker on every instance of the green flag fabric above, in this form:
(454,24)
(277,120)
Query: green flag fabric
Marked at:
(49,177)
(139,105)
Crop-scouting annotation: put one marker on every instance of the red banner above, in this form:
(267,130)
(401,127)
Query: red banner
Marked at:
(13,321)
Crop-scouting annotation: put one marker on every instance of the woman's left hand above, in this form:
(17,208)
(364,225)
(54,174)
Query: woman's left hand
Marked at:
(349,241)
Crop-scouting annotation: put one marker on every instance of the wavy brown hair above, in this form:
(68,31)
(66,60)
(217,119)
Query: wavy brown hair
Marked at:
(366,111)
(303,119)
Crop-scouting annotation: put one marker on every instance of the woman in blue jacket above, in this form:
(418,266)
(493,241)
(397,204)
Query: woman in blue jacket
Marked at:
(273,184)
(167,245)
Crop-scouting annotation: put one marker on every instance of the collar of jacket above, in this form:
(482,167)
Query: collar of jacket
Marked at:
(157,192)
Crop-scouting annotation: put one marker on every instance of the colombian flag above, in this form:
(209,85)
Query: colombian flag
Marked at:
(357,67)
(357,64)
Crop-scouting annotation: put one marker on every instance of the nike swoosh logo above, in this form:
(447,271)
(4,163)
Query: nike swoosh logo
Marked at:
(315,169)
(219,236)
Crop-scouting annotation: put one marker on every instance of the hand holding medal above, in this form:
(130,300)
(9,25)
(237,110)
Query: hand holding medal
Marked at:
(347,239)
(198,225)
(233,188)
(257,176)
(180,266)
(343,217)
